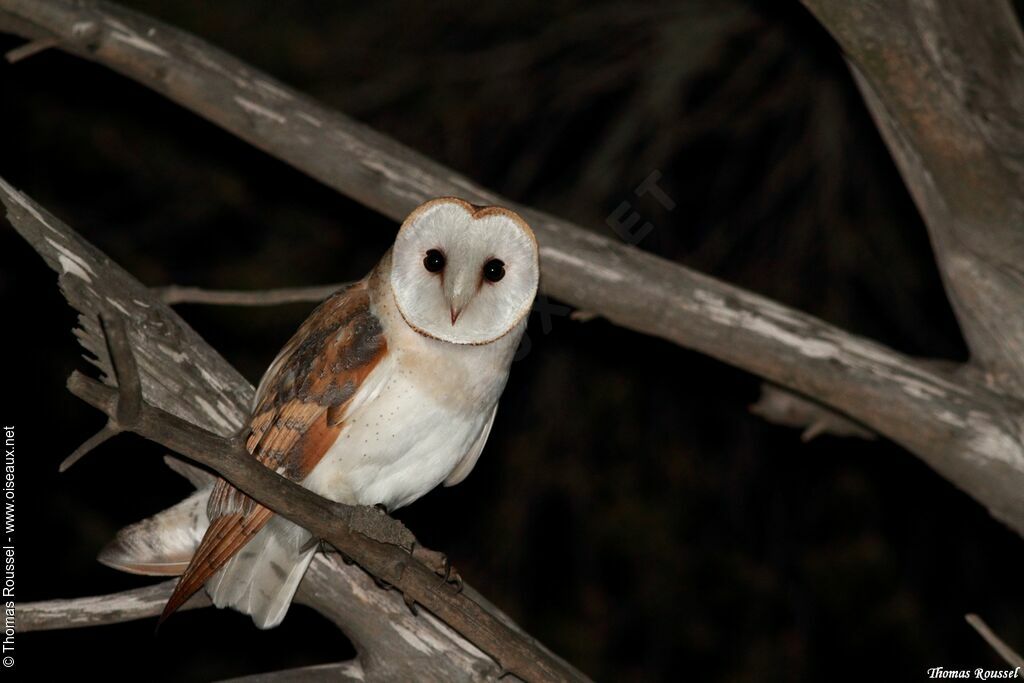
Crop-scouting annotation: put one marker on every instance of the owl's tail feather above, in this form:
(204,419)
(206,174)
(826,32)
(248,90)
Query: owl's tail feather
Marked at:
(261,579)
(161,545)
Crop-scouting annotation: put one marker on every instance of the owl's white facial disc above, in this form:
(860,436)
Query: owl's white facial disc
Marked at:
(463,274)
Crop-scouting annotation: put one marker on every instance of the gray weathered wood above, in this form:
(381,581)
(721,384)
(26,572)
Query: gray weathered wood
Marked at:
(944,81)
(100,610)
(340,672)
(175,294)
(393,643)
(967,429)
(783,407)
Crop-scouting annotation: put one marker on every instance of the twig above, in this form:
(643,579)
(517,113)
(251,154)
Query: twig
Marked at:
(783,407)
(964,430)
(131,395)
(30,48)
(997,644)
(175,294)
(583,316)
(196,476)
(109,429)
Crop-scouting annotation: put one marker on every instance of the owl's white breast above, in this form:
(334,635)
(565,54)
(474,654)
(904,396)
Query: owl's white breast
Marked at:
(417,414)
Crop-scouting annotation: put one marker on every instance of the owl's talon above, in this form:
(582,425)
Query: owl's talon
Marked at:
(411,604)
(455,579)
(313,542)
(438,563)
(328,549)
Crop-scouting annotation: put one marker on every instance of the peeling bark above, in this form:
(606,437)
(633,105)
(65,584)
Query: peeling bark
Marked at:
(944,81)
(970,431)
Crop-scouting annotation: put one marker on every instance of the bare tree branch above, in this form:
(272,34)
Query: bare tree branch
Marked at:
(997,644)
(945,84)
(376,621)
(138,603)
(131,394)
(228,457)
(196,476)
(785,408)
(29,49)
(968,432)
(343,671)
(98,439)
(176,294)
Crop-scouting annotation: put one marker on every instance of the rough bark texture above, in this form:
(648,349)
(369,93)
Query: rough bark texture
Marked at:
(100,610)
(968,426)
(944,81)
(180,374)
(393,643)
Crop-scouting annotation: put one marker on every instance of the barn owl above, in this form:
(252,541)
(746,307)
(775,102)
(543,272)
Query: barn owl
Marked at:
(388,389)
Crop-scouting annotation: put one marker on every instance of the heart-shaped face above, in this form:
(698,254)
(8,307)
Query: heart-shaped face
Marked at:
(464,274)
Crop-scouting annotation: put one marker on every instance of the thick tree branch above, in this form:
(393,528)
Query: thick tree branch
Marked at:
(100,610)
(341,672)
(945,84)
(176,294)
(970,434)
(378,624)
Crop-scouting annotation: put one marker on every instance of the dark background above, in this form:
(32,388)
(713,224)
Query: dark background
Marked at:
(628,510)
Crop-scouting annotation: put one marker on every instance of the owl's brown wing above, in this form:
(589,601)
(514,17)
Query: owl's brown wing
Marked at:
(299,413)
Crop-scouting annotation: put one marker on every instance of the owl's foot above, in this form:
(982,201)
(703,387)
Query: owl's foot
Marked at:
(409,602)
(314,542)
(326,548)
(439,563)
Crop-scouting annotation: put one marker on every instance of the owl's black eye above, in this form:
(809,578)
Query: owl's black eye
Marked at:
(494,270)
(434,261)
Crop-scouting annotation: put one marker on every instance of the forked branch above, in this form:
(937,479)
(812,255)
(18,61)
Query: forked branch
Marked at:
(944,81)
(967,428)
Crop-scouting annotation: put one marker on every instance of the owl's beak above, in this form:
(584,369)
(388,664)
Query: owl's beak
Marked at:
(459,289)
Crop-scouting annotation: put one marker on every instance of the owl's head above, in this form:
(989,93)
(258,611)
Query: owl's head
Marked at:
(464,274)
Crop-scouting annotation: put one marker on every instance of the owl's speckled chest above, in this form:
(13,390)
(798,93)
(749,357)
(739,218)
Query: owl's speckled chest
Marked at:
(422,410)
